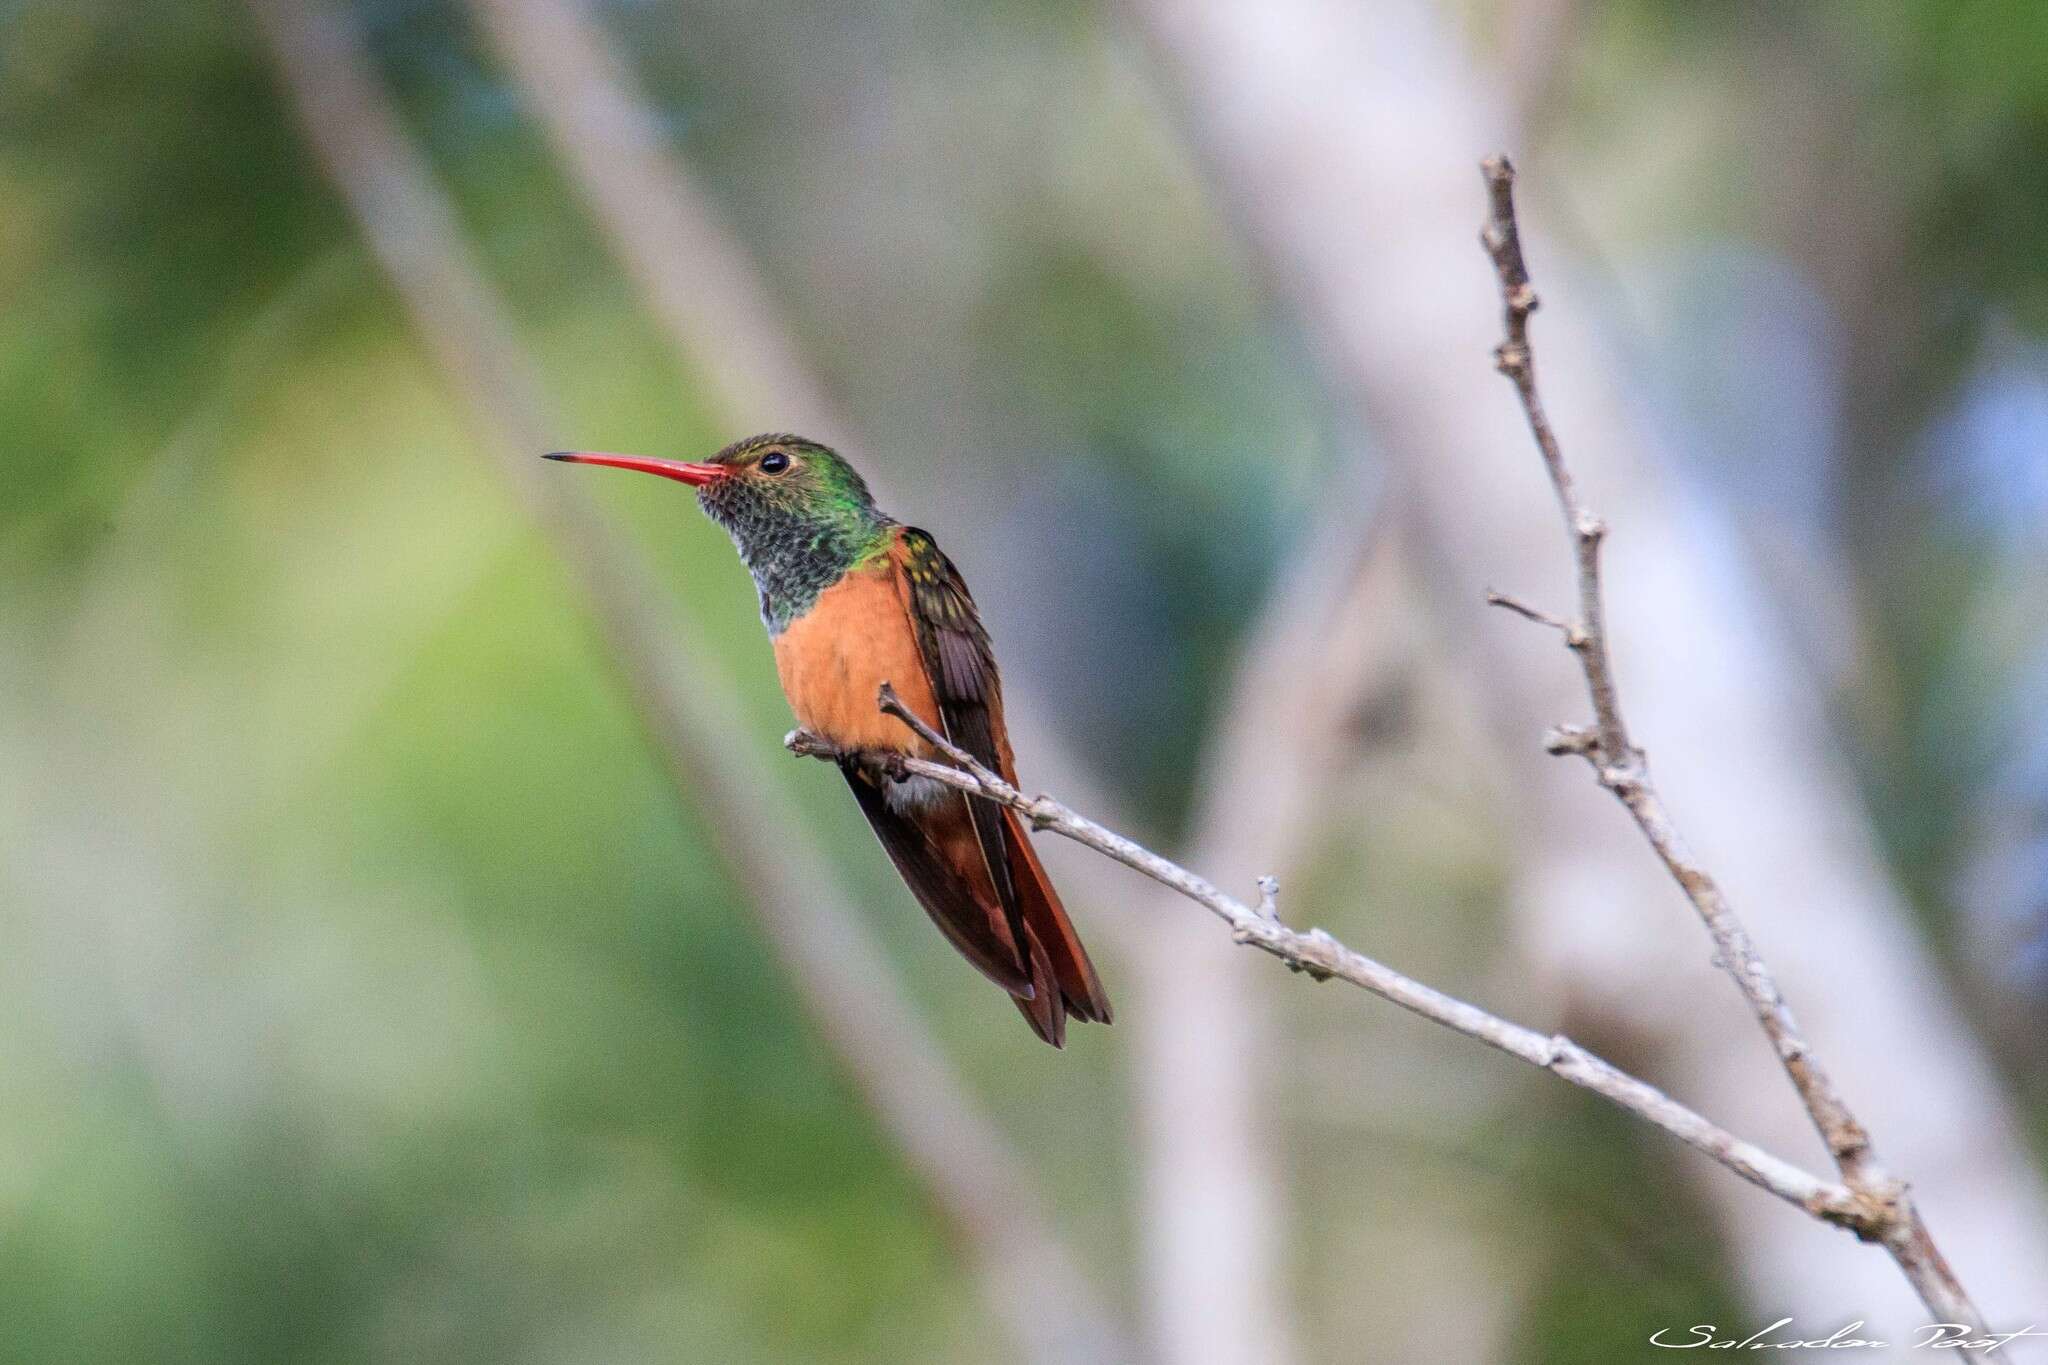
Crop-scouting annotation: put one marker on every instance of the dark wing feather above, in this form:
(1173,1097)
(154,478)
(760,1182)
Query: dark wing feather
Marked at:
(1052,933)
(945,895)
(961,664)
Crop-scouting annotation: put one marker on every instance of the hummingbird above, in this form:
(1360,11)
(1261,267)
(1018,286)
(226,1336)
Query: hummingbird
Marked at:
(853,599)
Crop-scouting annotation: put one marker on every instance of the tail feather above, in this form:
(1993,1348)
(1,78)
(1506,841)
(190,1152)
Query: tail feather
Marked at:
(977,928)
(1028,947)
(1047,925)
(1043,1011)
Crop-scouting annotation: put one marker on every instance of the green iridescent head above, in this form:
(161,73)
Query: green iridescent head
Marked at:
(773,483)
(800,515)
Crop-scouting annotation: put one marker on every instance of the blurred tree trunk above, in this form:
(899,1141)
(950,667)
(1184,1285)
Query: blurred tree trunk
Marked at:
(1346,138)
(1276,747)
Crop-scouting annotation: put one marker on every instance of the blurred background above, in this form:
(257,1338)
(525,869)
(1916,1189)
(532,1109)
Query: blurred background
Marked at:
(403,895)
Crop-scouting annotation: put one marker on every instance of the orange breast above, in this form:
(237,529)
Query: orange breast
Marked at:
(834,659)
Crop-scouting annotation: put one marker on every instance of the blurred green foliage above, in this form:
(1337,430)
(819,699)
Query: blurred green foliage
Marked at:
(369,995)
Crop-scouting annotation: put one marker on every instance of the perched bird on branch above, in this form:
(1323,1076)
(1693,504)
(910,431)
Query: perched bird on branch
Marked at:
(854,599)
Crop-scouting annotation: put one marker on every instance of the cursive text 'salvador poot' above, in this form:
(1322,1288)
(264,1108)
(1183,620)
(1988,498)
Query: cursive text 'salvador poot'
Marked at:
(1782,1336)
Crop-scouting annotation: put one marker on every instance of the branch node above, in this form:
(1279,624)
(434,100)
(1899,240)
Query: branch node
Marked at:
(1562,740)
(1625,779)
(1269,898)
(1874,1215)
(1849,1144)
(1316,938)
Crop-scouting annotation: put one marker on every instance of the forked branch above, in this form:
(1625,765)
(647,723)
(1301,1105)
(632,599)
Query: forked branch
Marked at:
(1866,1201)
(1318,955)
(1889,1216)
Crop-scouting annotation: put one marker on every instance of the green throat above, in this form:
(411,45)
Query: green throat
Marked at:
(800,534)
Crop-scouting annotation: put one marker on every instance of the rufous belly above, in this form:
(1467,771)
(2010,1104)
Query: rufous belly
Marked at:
(834,659)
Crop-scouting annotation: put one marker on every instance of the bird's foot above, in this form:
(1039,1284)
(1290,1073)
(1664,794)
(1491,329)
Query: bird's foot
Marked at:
(878,764)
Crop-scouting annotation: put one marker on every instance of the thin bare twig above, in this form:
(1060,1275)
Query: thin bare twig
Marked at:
(1527,612)
(1321,956)
(1888,1215)
(1199,1039)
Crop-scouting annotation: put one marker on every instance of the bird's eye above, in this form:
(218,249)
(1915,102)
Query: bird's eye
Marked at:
(774,462)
